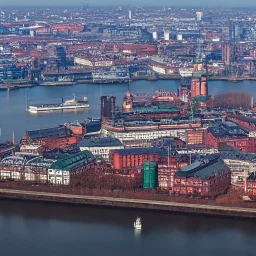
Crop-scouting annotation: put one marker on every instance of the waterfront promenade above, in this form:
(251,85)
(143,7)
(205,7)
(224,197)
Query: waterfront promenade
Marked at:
(129,203)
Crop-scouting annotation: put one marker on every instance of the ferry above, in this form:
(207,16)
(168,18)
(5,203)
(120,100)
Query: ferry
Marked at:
(69,104)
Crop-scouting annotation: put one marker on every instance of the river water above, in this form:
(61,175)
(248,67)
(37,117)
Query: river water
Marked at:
(44,229)
(13,115)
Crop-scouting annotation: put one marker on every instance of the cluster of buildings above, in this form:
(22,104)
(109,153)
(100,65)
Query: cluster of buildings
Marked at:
(161,147)
(59,45)
(169,142)
(182,143)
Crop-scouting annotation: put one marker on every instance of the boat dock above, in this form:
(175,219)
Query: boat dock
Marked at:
(130,203)
(14,86)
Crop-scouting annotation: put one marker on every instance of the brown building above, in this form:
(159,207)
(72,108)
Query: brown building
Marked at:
(50,138)
(133,157)
(250,186)
(108,105)
(229,133)
(196,136)
(207,178)
(226,54)
(166,175)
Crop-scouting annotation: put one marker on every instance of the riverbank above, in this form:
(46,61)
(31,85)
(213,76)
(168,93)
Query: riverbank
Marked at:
(134,79)
(129,203)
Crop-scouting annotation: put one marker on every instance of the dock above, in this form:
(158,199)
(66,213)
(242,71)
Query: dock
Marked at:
(14,86)
(130,203)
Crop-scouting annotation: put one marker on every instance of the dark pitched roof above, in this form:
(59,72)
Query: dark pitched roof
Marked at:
(60,131)
(228,129)
(100,142)
(207,167)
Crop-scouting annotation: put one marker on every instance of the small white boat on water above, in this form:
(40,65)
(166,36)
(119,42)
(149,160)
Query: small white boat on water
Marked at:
(137,224)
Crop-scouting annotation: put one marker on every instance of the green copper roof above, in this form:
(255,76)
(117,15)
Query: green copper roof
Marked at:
(71,161)
(156,109)
(198,74)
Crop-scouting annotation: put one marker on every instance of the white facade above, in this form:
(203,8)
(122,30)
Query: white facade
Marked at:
(154,34)
(166,35)
(58,177)
(130,14)
(159,70)
(146,135)
(83,62)
(199,16)
(201,151)
(179,37)
(240,169)
(101,151)
(104,63)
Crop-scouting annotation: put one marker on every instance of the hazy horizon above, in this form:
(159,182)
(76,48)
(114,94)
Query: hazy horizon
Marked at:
(228,3)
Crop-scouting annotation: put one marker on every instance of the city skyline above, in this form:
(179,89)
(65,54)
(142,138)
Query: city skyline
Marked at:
(228,3)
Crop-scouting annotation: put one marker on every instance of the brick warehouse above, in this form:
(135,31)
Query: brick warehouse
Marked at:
(207,178)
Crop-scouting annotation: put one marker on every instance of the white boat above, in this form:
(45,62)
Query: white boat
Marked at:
(137,224)
(68,104)
(51,107)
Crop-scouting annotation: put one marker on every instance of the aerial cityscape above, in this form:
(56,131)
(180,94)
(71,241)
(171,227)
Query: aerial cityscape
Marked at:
(134,107)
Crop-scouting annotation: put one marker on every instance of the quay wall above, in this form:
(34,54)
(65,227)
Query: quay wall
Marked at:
(130,203)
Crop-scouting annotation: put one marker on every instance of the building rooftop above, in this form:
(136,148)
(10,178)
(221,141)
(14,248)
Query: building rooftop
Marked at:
(60,131)
(198,74)
(13,160)
(135,151)
(228,129)
(67,162)
(252,177)
(243,118)
(100,142)
(205,168)
(155,109)
(238,155)
(40,162)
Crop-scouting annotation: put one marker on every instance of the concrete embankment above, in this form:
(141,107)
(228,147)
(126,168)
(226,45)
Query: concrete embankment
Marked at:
(129,203)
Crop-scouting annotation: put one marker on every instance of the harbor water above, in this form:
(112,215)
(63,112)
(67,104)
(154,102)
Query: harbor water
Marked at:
(13,103)
(30,228)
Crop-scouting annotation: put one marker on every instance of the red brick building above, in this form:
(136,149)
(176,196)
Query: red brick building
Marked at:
(250,186)
(207,178)
(228,133)
(134,157)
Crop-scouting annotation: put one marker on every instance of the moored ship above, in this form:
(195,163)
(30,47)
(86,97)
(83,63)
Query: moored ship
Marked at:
(69,104)
(52,107)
